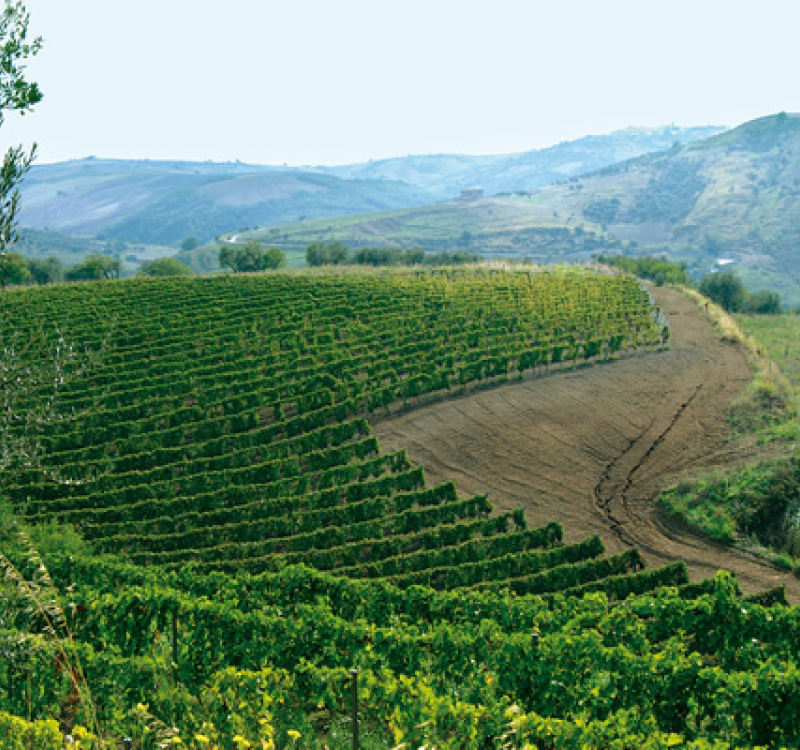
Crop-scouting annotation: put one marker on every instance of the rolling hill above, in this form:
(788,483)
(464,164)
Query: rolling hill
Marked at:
(154,202)
(733,196)
(446,175)
(281,580)
(164,202)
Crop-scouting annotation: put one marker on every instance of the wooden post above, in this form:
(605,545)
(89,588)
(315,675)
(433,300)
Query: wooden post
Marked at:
(354,700)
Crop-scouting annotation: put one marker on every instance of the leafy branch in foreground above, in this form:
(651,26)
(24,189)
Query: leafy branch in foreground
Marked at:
(20,95)
(28,591)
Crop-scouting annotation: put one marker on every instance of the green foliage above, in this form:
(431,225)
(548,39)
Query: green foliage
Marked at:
(18,734)
(729,292)
(20,95)
(762,303)
(336,253)
(760,501)
(52,540)
(377,256)
(765,403)
(327,254)
(251,257)
(269,659)
(13,270)
(46,270)
(707,518)
(225,424)
(224,430)
(726,289)
(659,270)
(165,267)
(454,258)
(274,258)
(95,267)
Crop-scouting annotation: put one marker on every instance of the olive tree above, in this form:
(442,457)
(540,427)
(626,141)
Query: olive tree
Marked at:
(16,95)
(251,257)
(165,267)
(726,289)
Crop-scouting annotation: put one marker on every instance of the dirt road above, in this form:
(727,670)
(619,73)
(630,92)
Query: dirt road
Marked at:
(592,447)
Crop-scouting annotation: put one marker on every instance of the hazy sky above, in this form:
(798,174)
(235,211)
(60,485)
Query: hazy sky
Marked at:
(339,81)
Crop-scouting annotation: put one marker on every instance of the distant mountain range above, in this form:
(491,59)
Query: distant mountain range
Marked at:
(164,202)
(700,194)
(445,176)
(734,196)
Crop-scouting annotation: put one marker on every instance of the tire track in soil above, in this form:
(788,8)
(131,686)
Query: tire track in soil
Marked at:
(593,447)
(615,482)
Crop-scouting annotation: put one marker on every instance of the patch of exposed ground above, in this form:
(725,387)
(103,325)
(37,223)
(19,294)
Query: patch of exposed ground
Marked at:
(592,447)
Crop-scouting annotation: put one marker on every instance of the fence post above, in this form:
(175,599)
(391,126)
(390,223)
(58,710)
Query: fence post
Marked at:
(354,701)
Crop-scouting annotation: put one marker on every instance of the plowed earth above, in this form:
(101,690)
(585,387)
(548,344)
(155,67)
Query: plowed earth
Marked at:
(593,447)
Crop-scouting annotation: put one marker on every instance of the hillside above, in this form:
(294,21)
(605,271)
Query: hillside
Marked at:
(595,447)
(195,414)
(444,176)
(499,227)
(152,202)
(736,195)
(164,202)
(732,196)
(216,435)
(217,432)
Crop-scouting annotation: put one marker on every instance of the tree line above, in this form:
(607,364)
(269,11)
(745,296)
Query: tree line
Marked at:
(723,287)
(729,292)
(252,256)
(19,270)
(336,253)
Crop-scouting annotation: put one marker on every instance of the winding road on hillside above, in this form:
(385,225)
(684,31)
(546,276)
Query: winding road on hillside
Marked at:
(592,447)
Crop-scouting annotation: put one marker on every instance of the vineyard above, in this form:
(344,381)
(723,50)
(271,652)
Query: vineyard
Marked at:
(251,543)
(225,421)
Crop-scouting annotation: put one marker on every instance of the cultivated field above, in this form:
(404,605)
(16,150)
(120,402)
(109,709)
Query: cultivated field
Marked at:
(593,447)
(216,436)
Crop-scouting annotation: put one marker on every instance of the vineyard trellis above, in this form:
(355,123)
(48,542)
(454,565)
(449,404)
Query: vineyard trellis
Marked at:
(223,444)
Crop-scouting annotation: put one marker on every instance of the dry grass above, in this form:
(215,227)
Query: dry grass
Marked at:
(769,397)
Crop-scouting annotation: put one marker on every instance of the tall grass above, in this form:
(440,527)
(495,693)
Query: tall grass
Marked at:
(768,402)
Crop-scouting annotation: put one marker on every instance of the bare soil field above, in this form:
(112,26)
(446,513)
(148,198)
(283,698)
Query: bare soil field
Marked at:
(592,447)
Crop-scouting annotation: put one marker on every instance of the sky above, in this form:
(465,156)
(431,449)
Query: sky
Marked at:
(304,82)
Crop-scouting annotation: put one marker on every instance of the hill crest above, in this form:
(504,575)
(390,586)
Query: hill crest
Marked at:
(735,195)
(164,202)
